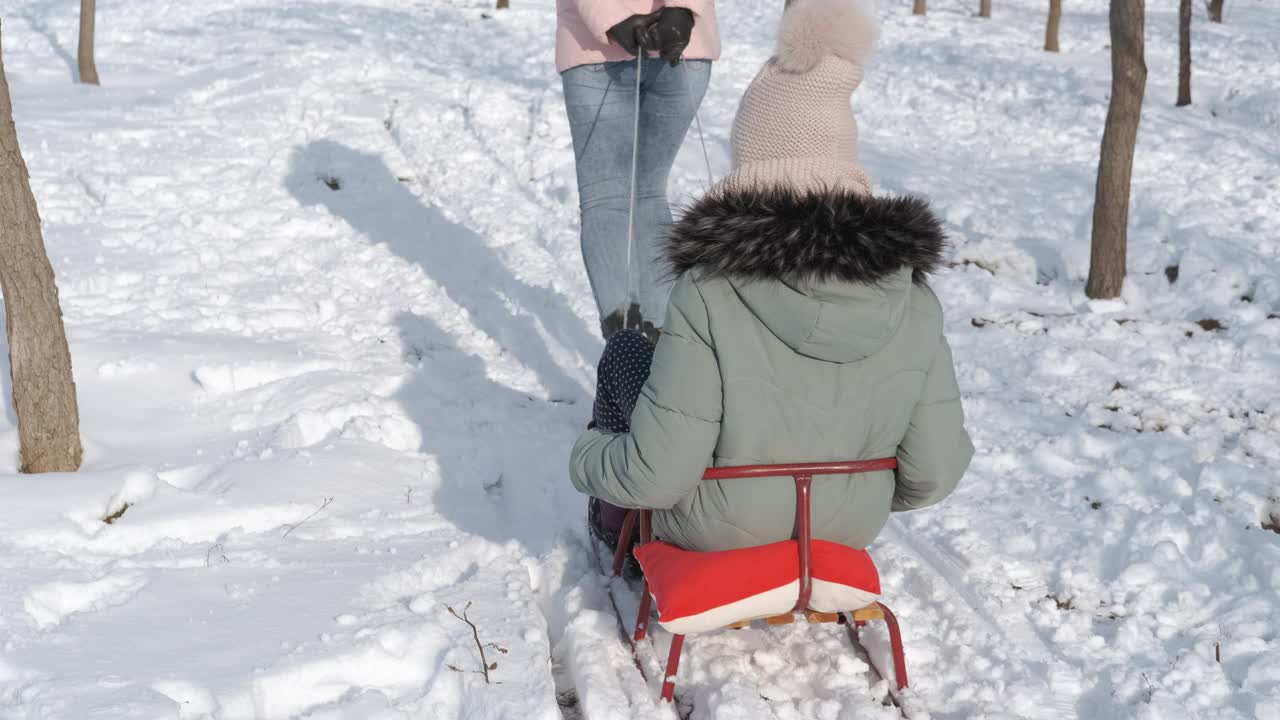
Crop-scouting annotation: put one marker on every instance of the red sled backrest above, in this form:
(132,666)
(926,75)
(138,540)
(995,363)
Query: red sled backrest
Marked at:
(699,591)
(803,474)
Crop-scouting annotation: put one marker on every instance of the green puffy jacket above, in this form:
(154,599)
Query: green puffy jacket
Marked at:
(801,329)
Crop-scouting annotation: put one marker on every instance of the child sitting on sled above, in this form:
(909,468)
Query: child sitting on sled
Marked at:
(801,328)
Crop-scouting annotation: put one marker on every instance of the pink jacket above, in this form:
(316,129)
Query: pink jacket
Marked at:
(581,39)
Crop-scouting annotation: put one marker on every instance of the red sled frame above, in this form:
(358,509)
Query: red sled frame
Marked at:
(802,474)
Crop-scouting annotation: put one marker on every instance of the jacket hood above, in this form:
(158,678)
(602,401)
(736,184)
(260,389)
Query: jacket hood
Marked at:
(828,273)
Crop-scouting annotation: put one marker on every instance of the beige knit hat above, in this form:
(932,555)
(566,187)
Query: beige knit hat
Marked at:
(795,128)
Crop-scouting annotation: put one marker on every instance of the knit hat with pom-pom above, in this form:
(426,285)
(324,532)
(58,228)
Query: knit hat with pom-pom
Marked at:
(795,128)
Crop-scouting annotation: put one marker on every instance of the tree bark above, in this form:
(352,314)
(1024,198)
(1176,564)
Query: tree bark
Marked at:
(919,8)
(44,392)
(504,4)
(984,8)
(1051,29)
(88,69)
(1184,53)
(1215,10)
(1115,167)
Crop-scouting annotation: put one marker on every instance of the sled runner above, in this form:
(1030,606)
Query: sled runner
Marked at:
(700,591)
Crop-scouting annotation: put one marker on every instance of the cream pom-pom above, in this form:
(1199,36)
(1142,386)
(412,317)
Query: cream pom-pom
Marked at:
(813,29)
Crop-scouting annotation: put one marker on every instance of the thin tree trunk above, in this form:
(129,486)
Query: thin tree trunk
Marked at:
(1051,29)
(919,8)
(984,8)
(1115,168)
(504,4)
(44,392)
(1184,53)
(1215,10)
(88,69)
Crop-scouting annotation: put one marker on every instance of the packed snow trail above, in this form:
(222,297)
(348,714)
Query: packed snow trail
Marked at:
(821,671)
(333,341)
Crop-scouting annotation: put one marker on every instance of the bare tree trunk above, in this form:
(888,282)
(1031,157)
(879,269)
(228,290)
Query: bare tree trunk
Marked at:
(504,4)
(1115,168)
(88,69)
(1215,10)
(1051,30)
(984,8)
(1184,53)
(919,8)
(44,392)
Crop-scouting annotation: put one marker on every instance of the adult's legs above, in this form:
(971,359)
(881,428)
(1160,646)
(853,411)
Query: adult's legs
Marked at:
(600,101)
(667,106)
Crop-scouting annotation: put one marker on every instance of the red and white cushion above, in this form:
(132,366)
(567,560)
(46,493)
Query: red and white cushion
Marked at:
(700,591)
(844,578)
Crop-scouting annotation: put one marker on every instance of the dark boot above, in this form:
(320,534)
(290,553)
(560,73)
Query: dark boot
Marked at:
(605,522)
(615,322)
(636,321)
(612,324)
(651,332)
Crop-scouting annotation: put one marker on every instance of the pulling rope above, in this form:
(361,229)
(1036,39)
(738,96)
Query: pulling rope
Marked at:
(697,120)
(633,283)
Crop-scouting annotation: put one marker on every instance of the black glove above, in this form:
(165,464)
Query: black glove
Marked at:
(670,34)
(633,34)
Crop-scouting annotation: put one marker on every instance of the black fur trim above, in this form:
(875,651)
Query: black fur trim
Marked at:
(784,234)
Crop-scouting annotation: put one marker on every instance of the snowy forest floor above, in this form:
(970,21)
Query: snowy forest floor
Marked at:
(322,255)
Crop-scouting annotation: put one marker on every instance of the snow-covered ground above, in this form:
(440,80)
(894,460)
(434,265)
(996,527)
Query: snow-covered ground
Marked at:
(333,340)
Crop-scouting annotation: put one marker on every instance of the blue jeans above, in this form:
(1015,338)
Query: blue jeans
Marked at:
(600,100)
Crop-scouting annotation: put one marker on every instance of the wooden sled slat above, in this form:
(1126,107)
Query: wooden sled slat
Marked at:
(821,617)
(868,613)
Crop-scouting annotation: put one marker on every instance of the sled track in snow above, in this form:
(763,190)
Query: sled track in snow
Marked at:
(934,568)
(1013,631)
(649,656)
(950,573)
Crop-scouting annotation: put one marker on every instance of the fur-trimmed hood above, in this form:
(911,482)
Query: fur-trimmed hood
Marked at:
(830,273)
(784,235)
